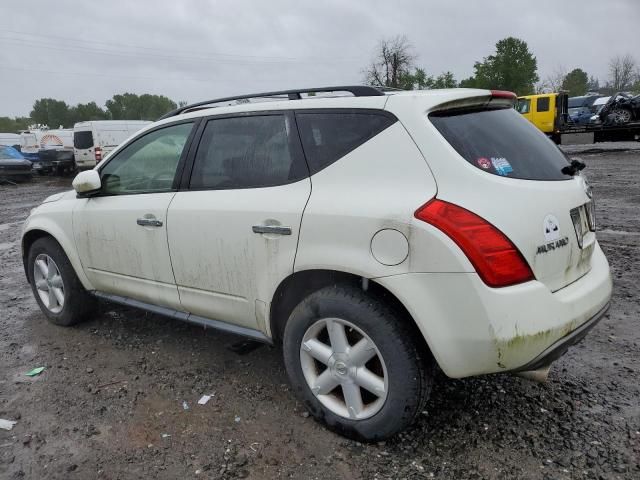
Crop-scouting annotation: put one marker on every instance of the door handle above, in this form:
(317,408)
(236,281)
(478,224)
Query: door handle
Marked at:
(275,229)
(149,222)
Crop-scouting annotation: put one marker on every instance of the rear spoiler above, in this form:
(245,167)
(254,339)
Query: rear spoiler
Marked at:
(493,98)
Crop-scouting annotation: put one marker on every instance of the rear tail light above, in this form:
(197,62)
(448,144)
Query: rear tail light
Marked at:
(495,258)
(98,153)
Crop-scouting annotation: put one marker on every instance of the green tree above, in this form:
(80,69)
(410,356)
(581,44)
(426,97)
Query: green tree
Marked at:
(129,106)
(576,82)
(445,80)
(14,125)
(51,112)
(513,67)
(86,111)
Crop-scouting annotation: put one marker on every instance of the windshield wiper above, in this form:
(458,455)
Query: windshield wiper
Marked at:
(574,167)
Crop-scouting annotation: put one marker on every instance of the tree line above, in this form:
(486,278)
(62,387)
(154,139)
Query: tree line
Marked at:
(55,113)
(511,67)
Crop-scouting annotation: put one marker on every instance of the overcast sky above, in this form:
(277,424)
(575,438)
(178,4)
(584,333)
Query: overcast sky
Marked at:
(81,51)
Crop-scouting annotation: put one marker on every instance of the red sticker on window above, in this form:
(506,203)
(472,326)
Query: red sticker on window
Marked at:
(484,163)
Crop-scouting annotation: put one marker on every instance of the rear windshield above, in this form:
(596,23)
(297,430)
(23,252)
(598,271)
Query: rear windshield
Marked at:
(501,142)
(83,140)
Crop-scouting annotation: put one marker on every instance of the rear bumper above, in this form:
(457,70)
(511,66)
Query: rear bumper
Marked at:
(472,329)
(555,351)
(85,163)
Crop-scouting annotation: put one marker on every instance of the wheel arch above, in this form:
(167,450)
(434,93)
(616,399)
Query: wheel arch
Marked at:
(32,234)
(294,288)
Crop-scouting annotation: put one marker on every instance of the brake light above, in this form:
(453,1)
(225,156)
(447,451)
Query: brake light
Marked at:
(98,154)
(503,94)
(495,258)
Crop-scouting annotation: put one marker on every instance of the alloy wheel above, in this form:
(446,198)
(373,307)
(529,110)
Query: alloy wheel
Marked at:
(344,368)
(49,284)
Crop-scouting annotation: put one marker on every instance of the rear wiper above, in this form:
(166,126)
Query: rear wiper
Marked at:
(573,168)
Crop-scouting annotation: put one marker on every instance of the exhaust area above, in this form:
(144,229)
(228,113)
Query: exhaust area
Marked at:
(539,375)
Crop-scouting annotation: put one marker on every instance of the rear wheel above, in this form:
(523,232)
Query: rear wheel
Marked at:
(55,285)
(354,363)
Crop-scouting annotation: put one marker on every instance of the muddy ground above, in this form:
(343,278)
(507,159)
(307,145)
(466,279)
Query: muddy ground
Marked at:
(110,403)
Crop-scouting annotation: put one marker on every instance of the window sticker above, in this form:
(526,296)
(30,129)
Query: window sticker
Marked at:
(484,163)
(502,166)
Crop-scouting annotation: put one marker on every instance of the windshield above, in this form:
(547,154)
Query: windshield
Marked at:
(501,142)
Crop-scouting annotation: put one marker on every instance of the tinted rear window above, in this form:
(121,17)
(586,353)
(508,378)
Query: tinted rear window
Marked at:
(503,143)
(327,137)
(83,140)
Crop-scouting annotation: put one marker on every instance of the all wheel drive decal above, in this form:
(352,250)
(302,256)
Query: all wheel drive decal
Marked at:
(551,246)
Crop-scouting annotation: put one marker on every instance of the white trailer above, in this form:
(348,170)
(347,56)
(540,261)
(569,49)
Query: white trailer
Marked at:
(9,139)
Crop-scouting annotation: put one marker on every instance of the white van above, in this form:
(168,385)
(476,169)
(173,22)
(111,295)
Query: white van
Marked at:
(9,139)
(94,140)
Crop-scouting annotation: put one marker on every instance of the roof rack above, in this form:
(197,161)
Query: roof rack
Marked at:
(356,90)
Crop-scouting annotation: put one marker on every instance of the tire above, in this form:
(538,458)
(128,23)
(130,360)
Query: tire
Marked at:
(399,360)
(77,304)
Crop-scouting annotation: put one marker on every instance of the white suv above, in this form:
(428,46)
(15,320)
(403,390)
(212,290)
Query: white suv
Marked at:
(373,235)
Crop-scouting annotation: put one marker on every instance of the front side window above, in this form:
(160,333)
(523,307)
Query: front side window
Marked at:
(148,164)
(327,137)
(524,105)
(543,104)
(246,152)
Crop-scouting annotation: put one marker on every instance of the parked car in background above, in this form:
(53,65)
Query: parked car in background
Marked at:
(10,139)
(547,111)
(620,109)
(581,109)
(442,228)
(13,166)
(94,140)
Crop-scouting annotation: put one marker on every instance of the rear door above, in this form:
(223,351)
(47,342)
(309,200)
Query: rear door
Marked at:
(233,231)
(83,143)
(513,179)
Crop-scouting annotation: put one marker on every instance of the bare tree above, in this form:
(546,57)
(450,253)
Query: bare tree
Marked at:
(554,81)
(622,72)
(392,63)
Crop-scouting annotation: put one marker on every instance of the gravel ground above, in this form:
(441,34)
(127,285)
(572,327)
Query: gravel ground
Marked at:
(110,403)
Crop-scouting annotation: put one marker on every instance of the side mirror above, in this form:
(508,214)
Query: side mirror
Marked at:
(87,182)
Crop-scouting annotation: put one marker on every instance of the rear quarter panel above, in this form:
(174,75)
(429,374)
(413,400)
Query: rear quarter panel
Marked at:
(379,185)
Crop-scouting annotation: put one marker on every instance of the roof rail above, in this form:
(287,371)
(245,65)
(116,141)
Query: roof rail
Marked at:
(356,90)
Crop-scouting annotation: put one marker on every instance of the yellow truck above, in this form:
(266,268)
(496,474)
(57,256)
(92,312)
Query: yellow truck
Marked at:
(547,111)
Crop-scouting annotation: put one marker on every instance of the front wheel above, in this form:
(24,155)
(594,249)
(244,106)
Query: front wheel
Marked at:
(55,285)
(354,363)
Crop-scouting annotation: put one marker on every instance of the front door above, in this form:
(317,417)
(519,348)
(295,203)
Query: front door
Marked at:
(121,233)
(233,234)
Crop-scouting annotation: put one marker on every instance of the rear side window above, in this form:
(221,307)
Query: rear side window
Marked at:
(329,136)
(503,143)
(83,140)
(543,104)
(246,152)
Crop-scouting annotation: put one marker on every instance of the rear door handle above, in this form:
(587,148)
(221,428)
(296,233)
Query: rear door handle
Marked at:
(275,229)
(149,222)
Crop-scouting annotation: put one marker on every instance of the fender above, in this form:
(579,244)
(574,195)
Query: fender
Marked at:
(58,224)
